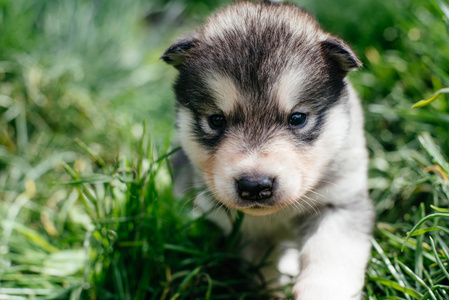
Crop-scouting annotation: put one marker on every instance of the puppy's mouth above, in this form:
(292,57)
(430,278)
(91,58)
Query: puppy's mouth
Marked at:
(259,209)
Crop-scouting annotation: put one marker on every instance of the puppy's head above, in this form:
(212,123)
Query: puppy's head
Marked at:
(261,103)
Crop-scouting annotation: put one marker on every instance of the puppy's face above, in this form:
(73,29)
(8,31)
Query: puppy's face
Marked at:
(261,104)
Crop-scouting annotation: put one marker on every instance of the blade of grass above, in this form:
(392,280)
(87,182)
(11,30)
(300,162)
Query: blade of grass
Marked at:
(234,235)
(419,248)
(34,236)
(416,278)
(440,263)
(430,229)
(444,248)
(94,178)
(429,217)
(432,98)
(209,286)
(411,244)
(431,147)
(393,284)
(183,249)
(187,279)
(400,283)
(442,7)
(96,157)
(118,280)
(439,209)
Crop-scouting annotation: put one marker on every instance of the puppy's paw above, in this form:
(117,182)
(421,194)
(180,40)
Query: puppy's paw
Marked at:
(325,291)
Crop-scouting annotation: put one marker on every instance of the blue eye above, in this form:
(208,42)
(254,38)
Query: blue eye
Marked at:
(297,120)
(217,122)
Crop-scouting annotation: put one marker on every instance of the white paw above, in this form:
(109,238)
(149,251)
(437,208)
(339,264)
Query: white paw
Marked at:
(325,291)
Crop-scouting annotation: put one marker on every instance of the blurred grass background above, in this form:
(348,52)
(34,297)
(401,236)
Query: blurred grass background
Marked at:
(86,116)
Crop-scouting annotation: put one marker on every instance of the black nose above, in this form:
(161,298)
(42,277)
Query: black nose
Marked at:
(255,188)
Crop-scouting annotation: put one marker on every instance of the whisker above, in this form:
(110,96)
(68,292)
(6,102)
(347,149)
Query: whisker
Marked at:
(328,182)
(298,207)
(311,204)
(318,200)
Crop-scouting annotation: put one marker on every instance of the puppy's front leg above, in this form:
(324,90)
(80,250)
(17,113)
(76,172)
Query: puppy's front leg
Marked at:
(334,256)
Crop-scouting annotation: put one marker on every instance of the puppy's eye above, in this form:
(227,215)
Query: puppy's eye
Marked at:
(297,120)
(217,122)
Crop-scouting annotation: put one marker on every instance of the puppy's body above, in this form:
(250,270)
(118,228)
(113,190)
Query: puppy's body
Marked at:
(274,129)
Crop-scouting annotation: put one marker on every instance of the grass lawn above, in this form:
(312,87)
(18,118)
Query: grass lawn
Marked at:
(86,119)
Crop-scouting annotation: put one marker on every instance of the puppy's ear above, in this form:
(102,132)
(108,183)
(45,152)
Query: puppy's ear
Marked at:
(177,52)
(341,54)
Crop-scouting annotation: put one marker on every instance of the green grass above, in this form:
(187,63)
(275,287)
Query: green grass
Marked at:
(86,113)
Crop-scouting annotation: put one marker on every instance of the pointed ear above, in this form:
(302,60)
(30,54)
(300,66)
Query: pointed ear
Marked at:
(341,54)
(177,52)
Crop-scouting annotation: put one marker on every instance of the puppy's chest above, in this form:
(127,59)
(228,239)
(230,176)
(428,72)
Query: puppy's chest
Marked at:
(271,227)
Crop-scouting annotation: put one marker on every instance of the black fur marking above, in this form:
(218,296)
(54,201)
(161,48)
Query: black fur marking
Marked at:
(191,90)
(210,141)
(255,57)
(176,53)
(311,134)
(341,54)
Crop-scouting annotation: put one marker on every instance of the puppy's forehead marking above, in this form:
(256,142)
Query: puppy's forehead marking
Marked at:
(288,88)
(225,92)
(285,91)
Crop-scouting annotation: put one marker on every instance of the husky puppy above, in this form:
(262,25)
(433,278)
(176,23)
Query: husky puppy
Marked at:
(273,128)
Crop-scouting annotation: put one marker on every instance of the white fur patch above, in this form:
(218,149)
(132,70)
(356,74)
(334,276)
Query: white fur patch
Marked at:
(197,154)
(335,257)
(288,265)
(287,88)
(224,91)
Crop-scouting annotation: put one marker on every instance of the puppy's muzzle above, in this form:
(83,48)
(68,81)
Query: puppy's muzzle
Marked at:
(255,187)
